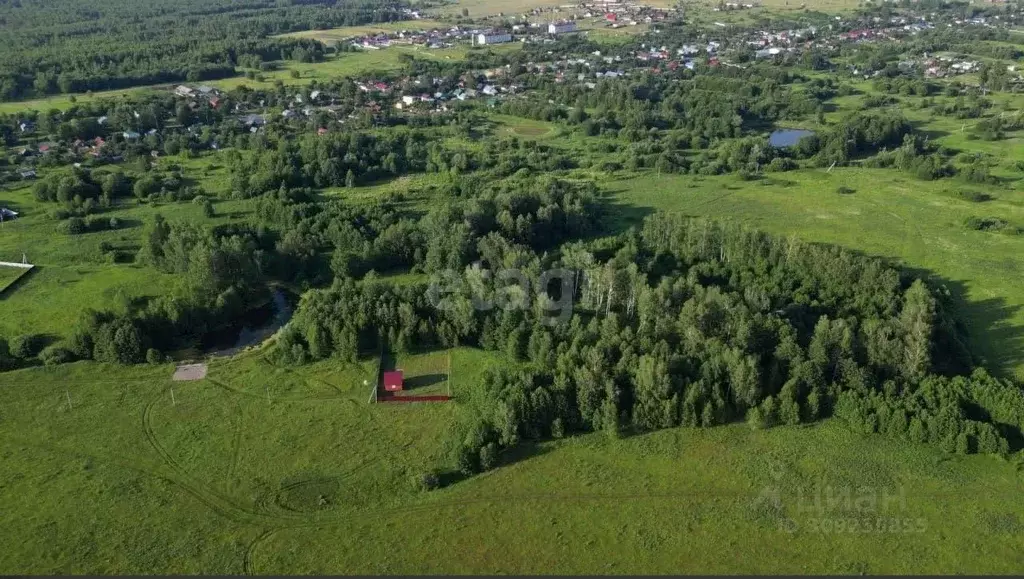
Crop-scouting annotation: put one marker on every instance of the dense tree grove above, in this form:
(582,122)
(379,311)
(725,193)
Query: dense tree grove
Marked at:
(353,158)
(486,219)
(687,322)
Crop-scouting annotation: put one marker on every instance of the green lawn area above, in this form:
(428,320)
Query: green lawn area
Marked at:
(918,223)
(61,102)
(264,470)
(523,128)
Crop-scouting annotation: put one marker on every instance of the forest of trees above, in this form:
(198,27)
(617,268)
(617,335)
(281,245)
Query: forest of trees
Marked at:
(688,322)
(70,46)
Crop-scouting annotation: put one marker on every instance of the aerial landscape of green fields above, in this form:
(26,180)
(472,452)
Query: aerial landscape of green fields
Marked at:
(373,287)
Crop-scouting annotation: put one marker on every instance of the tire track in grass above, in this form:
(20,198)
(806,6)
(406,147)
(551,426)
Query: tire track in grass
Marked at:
(248,566)
(236,449)
(240,392)
(226,506)
(284,518)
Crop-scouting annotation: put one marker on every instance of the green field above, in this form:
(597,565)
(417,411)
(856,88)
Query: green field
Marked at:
(522,128)
(63,102)
(265,470)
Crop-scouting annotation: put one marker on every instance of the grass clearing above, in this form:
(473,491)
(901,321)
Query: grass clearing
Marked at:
(74,273)
(423,373)
(263,470)
(63,102)
(522,127)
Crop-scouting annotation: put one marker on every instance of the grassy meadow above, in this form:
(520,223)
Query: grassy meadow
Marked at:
(9,275)
(260,469)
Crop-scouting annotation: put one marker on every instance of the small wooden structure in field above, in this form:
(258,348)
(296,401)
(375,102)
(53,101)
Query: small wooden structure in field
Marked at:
(393,381)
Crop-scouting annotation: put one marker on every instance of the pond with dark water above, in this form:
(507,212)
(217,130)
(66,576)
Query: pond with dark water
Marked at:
(253,328)
(787,137)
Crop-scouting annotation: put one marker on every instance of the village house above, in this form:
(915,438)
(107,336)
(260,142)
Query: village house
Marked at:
(253,121)
(485,38)
(561,27)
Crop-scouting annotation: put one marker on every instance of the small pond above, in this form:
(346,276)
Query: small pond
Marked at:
(253,328)
(787,137)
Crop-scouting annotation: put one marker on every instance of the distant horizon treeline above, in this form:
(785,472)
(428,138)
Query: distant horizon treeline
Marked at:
(68,46)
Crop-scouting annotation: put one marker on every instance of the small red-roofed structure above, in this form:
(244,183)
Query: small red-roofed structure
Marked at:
(393,381)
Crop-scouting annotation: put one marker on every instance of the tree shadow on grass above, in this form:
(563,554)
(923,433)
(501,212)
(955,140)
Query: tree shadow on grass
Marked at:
(423,381)
(930,133)
(127,223)
(620,216)
(985,326)
(14,285)
(508,457)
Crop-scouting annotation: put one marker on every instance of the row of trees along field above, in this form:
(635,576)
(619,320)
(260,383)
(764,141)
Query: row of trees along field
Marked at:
(689,322)
(65,46)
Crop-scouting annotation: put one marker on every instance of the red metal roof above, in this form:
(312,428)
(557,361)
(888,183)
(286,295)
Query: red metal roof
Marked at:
(393,381)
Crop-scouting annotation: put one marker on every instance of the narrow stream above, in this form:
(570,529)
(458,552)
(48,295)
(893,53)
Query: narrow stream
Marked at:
(254,328)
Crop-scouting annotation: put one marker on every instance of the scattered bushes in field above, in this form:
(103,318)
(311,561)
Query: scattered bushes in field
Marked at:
(94,223)
(991,224)
(977,173)
(972,196)
(781,164)
(427,481)
(7,361)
